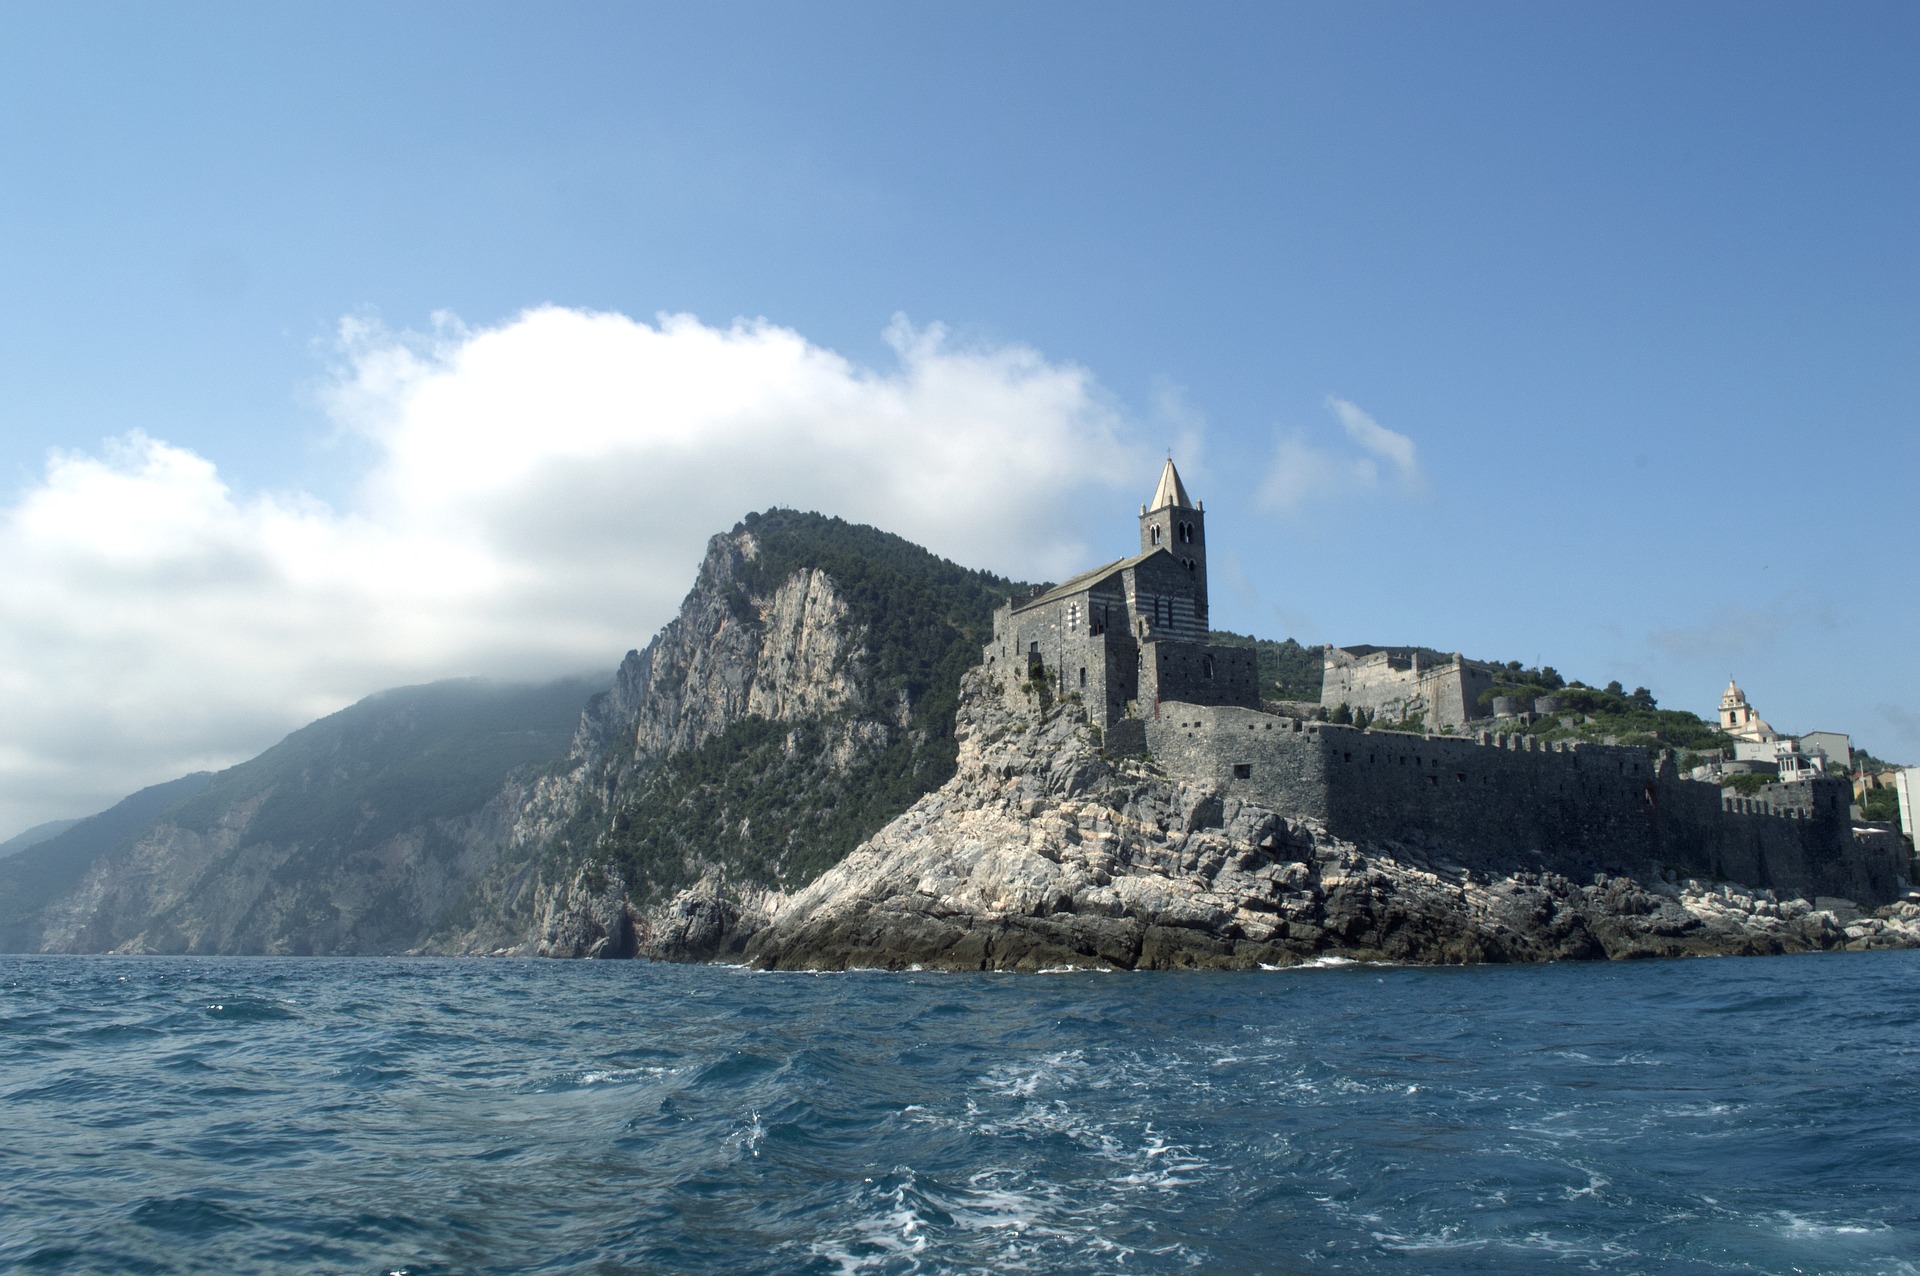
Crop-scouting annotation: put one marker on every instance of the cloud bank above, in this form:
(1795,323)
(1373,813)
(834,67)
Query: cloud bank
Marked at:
(537,498)
(1305,473)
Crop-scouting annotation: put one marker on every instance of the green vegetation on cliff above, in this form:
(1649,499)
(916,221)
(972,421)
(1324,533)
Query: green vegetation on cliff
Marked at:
(766,802)
(778,803)
(1589,713)
(925,619)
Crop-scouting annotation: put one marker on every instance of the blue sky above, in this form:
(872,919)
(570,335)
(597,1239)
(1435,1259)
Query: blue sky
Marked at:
(1634,286)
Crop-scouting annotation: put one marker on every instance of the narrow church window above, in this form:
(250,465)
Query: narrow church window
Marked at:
(1083,675)
(1154,534)
(1186,533)
(1206,666)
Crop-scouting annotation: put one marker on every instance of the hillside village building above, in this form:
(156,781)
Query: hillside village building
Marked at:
(1129,640)
(1793,756)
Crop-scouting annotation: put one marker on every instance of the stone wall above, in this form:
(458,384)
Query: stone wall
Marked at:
(1398,683)
(1197,673)
(1497,802)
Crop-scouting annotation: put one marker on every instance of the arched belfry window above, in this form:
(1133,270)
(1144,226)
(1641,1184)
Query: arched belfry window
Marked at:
(1186,533)
(1153,535)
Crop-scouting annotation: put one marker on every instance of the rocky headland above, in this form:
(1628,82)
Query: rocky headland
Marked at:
(799,771)
(1042,852)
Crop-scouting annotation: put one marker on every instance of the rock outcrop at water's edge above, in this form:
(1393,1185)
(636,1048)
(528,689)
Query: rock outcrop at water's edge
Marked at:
(1042,852)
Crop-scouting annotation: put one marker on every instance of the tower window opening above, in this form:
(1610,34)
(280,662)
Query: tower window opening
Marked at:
(1206,666)
(1154,534)
(1083,675)
(1186,533)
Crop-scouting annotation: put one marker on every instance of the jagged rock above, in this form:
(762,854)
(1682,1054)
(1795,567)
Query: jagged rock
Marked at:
(1013,865)
(766,637)
(587,917)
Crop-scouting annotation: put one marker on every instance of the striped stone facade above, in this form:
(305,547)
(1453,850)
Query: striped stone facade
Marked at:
(1129,635)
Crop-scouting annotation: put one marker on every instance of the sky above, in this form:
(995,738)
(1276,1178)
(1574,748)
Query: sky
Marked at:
(347,346)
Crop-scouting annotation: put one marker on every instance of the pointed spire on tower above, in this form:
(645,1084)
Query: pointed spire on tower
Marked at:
(1170,492)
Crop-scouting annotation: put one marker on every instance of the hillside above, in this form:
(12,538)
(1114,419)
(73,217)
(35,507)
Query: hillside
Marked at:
(47,870)
(34,836)
(352,835)
(803,697)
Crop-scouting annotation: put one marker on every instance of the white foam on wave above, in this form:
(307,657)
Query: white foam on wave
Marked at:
(613,1076)
(1634,1060)
(996,1220)
(1799,1228)
(749,1138)
(1330,962)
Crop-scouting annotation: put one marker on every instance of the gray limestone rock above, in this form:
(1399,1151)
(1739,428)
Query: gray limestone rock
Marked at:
(1043,852)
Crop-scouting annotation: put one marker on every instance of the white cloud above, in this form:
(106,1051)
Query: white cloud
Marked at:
(538,497)
(1305,473)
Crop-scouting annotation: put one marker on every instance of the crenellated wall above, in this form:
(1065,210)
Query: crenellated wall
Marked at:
(1501,801)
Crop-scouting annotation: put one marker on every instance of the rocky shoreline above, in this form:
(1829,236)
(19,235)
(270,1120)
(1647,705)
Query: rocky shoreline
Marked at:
(1044,852)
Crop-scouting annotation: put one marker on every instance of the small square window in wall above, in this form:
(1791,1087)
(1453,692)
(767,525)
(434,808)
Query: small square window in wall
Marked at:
(1243,770)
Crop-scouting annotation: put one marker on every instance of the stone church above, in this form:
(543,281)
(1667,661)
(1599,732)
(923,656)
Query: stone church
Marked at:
(1132,634)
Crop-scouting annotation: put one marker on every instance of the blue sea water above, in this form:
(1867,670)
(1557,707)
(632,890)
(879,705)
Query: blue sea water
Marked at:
(249,1115)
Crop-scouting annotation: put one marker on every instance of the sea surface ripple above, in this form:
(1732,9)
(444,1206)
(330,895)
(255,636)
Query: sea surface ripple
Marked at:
(425,1116)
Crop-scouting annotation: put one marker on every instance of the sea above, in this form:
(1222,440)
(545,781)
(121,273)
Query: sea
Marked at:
(239,1115)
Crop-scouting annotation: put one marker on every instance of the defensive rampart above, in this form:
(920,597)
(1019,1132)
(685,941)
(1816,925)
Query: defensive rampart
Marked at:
(1495,802)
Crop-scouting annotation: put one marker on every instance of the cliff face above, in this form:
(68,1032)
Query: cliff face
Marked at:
(799,700)
(1041,852)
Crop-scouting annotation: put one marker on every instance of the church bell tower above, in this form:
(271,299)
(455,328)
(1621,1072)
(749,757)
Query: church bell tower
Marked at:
(1172,522)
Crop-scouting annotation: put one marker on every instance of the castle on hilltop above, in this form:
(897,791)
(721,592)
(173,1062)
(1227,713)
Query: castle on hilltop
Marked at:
(1128,642)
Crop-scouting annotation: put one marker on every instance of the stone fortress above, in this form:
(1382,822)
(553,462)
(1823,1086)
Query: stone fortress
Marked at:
(1129,641)
(1391,684)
